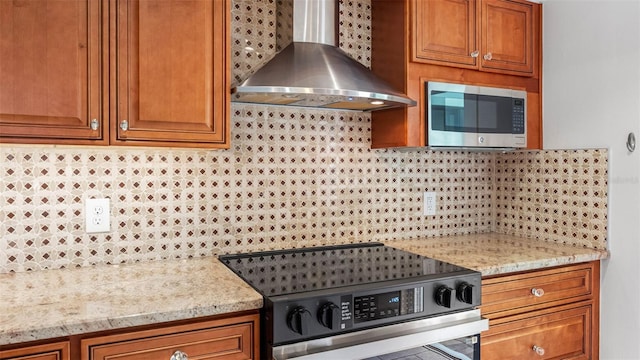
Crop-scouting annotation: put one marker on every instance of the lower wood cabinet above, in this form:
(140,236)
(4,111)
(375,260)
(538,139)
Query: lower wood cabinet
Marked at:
(545,314)
(228,339)
(564,334)
(225,337)
(53,351)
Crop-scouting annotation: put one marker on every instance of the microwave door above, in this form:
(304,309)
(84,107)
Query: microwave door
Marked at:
(452,118)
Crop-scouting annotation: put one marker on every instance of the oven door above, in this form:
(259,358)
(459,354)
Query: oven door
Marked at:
(453,335)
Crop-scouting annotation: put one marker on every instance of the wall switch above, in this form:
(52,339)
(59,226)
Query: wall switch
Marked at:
(429,203)
(97,215)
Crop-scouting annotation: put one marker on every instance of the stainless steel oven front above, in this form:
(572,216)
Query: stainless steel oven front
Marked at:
(453,336)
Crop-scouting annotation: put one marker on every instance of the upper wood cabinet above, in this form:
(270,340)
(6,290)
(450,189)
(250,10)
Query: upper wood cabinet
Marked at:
(507,36)
(445,33)
(477,42)
(171,73)
(51,66)
(489,35)
(123,72)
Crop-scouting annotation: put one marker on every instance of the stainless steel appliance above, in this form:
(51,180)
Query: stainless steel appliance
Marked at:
(313,72)
(362,301)
(475,116)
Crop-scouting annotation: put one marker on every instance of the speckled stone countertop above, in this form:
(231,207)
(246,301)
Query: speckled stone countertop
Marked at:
(54,303)
(493,253)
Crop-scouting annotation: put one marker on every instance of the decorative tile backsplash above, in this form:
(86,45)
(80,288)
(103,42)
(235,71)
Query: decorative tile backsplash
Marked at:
(558,196)
(292,178)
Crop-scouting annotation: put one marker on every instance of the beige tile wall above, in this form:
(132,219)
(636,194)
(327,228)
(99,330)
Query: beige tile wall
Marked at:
(558,196)
(292,178)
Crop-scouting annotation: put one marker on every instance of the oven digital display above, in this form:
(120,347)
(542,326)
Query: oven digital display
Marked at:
(378,306)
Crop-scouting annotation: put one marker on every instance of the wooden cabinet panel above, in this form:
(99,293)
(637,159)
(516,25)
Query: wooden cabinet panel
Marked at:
(559,335)
(507,33)
(72,70)
(172,71)
(54,351)
(445,32)
(228,339)
(512,293)
(563,323)
(51,57)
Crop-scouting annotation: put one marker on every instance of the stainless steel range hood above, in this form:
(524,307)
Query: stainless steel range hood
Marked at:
(313,72)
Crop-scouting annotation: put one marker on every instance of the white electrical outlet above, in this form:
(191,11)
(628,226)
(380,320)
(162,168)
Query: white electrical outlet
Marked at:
(429,207)
(97,215)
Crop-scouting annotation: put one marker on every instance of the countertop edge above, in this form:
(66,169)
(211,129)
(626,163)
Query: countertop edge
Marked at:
(66,330)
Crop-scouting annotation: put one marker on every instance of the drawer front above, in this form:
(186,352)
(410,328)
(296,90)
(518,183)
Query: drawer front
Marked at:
(561,335)
(231,342)
(513,292)
(55,351)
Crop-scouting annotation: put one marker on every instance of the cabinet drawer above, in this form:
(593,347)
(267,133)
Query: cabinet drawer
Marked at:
(211,340)
(560,335)
(515,293)
(55,351)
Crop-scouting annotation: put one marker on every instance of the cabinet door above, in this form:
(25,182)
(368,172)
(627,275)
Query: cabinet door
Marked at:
(512,294)
(50,71)
(229,339)
(445,32)
(55,351)
(559,335)
(507,33)
(172,73)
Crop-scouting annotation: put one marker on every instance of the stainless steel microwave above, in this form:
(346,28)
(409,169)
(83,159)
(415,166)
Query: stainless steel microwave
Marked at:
(464,116)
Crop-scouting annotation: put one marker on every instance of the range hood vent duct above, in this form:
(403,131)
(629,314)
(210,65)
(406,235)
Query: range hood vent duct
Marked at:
(313,72)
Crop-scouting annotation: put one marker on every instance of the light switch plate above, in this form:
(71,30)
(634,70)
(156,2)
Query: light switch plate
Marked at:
(97,215)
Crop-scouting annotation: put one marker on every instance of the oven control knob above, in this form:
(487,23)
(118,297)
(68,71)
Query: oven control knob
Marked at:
(443,296)
(298,320)
(464,292)
(329,315)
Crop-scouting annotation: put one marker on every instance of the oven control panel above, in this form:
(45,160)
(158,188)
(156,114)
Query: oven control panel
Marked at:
(389,304)
(333,313)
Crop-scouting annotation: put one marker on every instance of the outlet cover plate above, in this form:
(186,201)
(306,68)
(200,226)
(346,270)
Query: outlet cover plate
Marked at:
(429,206)
(97,215)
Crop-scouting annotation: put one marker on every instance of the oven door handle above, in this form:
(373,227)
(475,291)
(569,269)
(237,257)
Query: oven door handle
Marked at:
(386,339)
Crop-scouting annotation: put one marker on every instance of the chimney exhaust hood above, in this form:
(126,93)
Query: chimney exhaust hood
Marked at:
(313,72)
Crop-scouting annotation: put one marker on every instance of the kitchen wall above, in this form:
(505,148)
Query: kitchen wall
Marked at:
(293,177)
(592,99)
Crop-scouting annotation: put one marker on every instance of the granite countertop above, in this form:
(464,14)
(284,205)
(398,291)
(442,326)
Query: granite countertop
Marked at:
(55,303)
(494,254)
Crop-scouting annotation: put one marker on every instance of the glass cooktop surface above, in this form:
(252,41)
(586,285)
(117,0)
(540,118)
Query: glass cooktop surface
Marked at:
(284,272)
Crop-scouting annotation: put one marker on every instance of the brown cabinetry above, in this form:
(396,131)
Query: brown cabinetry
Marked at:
(488,35)
(149,73)
(508,33)
(222,337)
(171,73)
(230,339)
(53,351)
(550,314)
(478,42)
(51,58)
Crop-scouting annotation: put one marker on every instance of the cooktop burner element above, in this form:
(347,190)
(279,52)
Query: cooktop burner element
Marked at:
(292,271)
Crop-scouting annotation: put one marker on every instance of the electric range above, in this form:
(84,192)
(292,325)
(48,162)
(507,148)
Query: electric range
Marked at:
(320,301)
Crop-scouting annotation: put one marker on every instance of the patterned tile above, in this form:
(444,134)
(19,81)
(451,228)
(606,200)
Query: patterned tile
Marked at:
(293,178)
(558,196)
